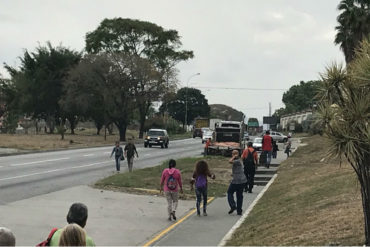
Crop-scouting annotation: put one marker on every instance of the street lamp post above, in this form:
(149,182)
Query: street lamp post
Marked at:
(186,99)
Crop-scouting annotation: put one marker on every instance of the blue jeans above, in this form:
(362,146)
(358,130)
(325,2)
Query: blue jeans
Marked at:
(238,188)
(118,163)
(199,192)
(268,157)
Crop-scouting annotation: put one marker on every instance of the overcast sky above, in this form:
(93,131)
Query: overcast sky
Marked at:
(270,44)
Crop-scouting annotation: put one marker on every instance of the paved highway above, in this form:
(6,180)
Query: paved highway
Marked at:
(29,175)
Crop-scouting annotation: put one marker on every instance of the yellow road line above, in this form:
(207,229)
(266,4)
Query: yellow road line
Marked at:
(165,231)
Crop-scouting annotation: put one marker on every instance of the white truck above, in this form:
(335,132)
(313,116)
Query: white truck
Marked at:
(228,136)
(213,122)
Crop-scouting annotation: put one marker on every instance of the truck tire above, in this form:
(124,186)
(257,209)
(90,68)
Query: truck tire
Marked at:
(166,146)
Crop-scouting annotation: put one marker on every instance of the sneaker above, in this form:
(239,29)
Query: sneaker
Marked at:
(232,210)
(239,213)
(169,218)
(173,215)
(249,191)
(205,214)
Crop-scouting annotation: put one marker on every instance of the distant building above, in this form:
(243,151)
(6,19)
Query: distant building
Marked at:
(298,117)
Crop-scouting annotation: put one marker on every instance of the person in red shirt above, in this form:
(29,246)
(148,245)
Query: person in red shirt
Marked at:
(250,161)
(267,147)
(208,143)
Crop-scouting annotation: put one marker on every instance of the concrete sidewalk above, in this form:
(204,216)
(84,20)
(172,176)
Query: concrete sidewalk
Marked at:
(207,230)
(210,230)
(114,218)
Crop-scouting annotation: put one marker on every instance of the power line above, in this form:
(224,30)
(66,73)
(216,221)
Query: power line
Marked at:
(244,88)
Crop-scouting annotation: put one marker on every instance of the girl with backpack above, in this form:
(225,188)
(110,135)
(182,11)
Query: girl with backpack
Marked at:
(200,180)
(170,182)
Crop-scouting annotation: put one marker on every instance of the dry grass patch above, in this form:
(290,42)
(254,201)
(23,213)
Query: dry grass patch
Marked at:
(310,203)
(148,178)
(54,142)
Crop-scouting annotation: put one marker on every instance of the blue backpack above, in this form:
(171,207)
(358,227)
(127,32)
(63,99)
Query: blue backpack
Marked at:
(201,181)
(171,183)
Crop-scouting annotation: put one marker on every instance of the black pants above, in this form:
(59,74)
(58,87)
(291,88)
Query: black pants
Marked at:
(249,172)
(238,188)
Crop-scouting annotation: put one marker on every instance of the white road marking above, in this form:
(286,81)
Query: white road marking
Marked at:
(87,155)
(1,166)
(51,171)
(37,162)
(107,152)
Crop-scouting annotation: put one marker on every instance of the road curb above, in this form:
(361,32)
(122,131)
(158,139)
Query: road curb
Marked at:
(228,235)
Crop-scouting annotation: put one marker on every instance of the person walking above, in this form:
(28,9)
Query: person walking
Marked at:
(237,184)
(208,143)
(288,147)
(130,151)
(117,150)
(275,148)
(267,147)
(77,214)
(200,175)
(7,237)
(170,183)
(250,161)
(72,235)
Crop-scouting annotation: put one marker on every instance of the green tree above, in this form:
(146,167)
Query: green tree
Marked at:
(344,111)
(279,112)
(145,40)
(196,101)
(354,25)
(104,85)
(300,97)
(38,81)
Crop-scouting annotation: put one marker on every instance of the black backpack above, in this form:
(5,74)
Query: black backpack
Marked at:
(249,161)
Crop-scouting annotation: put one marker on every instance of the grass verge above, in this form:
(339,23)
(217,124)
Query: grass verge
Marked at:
(181,136)
(310,203)
(146,181)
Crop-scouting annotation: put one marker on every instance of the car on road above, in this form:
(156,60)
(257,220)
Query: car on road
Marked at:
(277,136)
(257,143)
(156,137)
(207,135)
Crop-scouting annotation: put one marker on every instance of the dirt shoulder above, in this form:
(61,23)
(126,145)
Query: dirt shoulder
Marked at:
(50,142)
(312,202)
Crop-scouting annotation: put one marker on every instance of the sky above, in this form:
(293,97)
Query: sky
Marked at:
(268,45)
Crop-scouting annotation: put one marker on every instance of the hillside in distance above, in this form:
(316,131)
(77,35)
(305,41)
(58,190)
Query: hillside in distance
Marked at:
(225,112)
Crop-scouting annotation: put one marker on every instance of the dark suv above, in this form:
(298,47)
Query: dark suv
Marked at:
(157,137)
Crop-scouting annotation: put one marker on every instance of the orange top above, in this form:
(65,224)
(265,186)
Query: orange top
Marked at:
(208,143)
(246,153)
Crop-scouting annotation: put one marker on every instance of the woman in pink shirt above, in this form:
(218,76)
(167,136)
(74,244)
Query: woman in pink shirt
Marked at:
(171,181)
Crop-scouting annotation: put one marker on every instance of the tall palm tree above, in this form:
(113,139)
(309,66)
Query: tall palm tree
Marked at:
(354,25)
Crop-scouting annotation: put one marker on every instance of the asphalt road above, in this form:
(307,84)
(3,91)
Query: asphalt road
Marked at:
(29,175)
